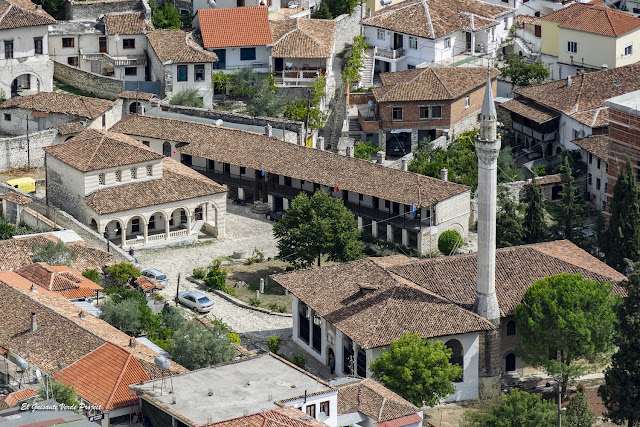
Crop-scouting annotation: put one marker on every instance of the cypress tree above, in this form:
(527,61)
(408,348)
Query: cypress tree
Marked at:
(624,225)
(569,213)
(508,221)
(535,227)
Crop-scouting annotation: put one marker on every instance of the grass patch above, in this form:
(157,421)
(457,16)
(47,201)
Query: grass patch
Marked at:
(64,88)
(274,294)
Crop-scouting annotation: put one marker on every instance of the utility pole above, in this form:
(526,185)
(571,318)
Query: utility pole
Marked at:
(28,148)
(306,123)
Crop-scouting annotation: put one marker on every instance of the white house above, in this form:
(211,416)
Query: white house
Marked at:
(24,51)
(130,193)
(412,32)
(594,151)
(179,62)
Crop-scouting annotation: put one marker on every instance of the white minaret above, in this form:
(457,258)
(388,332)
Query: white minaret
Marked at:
(487,149)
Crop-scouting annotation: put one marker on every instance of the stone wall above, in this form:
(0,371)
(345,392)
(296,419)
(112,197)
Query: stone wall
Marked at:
(13,151)
(347,27)
(96,84)
(90,10)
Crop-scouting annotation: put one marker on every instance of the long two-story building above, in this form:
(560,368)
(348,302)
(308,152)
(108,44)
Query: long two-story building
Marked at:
(403,207)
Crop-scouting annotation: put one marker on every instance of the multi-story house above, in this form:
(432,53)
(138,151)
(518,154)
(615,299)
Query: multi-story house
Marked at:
(594,150)
(24,51)
(590,37)
(533,7)
(413,32)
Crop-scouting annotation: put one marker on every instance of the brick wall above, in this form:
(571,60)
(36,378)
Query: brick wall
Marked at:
(13,151)
(360,98)
(99,85)
(624,140)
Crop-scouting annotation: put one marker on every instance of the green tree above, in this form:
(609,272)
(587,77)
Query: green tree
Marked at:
(221,81)
(419,371)
(124,315)
(244,82)
(509,227)
(517,408)
(300,108)
(355,62)
(522,74)
(317,226)
(535,227)
(93,275)
(165,15)
(364,150)
(61,392)
(195,348)
(579,414)
(624,223)
(449,242)
(54,8)
(53,253)
(564,318)
(265,101)
(569,211)
(187,98)
(216,277)
(122,273)
(7,230)
(330,9)
(621,391)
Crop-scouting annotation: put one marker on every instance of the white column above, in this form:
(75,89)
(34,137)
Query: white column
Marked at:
(285,203)
(146,232)
(374,228)
(473,43)
(270,201)
(405,238)
(389,233)
(123,235)
(188,222)
(339,353)
(360,223)
(167,227)
(240,193)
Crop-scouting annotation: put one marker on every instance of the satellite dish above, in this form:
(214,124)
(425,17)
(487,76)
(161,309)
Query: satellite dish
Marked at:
(162,362)
(211,3)
(322,417)
(372,105)
(22,364)
(38,375)
(218,122)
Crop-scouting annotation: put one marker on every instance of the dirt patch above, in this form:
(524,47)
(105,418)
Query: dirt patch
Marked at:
(245,281)
(35,173)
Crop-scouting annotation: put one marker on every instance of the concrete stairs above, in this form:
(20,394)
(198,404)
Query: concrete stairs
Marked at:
(355,131)
(366,74)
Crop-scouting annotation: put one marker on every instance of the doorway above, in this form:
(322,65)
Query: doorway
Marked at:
(398,40)
(102,42)
(468,42)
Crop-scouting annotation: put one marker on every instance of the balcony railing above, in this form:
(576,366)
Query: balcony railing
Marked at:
(388,53)
(120,61)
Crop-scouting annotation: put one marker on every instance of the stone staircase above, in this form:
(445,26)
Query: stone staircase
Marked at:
(355,131)
(366,74)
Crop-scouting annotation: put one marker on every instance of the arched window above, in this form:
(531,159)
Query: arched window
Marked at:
(166,149)
(457,356)
(510,362)
(511,328)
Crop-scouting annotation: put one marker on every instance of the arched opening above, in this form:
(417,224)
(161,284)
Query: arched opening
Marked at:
(558,150)
(549,150)
(25,84)
(136,108)
(93,225)
(178,222)
(166,149)
(347,355)
(511,328)
(457,356)
(135,231)
(113,232)
(157,227)
(199,213)
(510,362)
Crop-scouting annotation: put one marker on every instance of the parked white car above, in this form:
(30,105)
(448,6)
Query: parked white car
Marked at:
(196,301)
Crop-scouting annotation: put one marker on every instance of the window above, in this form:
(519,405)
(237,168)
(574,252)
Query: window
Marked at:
(598,166)
(68,42)
(436,112)
(606,168)
(104,120)
(604,205)
(324,407)
(182,73)
(37,45)
(590,158)
(198,72)
(424,112)
(380,34)
(606,186)
(135,225)
(128,43)
(72,60)
(467,102)
(597,183)
(410,67)
(243,170)
(572,47)
(7,117)
(119,176)
(101,179)
(396,113)
(130,71)
(147,143)
(149,170)
(134,173)
(636,10)
(8,49)
(152,222)
(413,42)
(447,43)
(248,54)
(576,133)
(628,49)
(311,410)
(589,179)
(511,328)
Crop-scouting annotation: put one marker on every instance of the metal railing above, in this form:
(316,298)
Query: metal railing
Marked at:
(127,61)
(388,52)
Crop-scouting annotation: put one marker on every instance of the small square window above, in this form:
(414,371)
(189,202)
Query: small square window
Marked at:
(183,73)
(413,42)
(134,173)
(424,112)
(147,143)
(380,34)
(198,72)
(149,170)
(72,60)
(101,179)
(128,43)
(410,67)
(119,176)
(447,43)
(7,117)
(130,71)
(396,113)
(324,407)
(467,102)
(436,112)
(68,42)
(243,170)
(628,49)
(248,54)
(572,47)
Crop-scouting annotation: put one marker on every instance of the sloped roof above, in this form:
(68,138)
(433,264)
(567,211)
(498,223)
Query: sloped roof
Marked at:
(16,198)
(13,399)
(287,416)
(302,38)
(431,83)
(235,26)
(597,19)
(22,13)
(439,18)
(94,150)
(56,102)
(531,111)
(178,46)
(259,152)
(103,376)
(126,23)
(598,145)
(140,96)
(526,19)
(69,128)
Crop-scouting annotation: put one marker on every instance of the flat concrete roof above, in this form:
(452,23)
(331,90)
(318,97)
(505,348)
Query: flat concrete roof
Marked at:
(237,389)
(628,103)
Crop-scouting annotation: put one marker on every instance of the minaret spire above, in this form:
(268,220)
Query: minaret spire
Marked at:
(487,148)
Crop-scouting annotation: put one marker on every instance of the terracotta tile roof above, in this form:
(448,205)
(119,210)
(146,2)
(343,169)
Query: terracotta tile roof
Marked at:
(403,421)
(516,269)
(375,317)
(549,179)
(94,150)
(235,26)
(598,117)
(598,145)
(90,257)
(103,376)
(126,23)
(526,19)
(13,399)
(446,17)
(140,96)
(287,416)
(178,46)
(60,281)
(147,283)
(431,83)
(69,128)
(45,276)
(303,38)
(531,111)
(178,182)
(373,400)
(56,102)
(594,19)
(22,13)
(16,198)
(259,152)
(588,91)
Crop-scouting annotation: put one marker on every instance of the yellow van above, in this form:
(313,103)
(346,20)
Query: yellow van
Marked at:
(28,185)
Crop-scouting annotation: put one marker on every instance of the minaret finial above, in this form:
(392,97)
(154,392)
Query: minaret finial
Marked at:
(488,106)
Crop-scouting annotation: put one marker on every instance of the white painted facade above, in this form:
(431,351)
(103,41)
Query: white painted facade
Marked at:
(303,404)
(233,60)
(597,181)
(530,7)
(274,5)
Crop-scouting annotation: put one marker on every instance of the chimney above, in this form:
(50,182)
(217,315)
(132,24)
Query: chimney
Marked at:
(404,165)
(34,322)
(132,342)
(444,174)
(568,81)
(320,143)
(380,157)
(268,130)
(38,7)
(349,151)
(34,288)
(81,314)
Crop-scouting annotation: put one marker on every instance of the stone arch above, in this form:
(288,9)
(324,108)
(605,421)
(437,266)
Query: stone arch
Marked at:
(200,212)
(510,362)
(23,84)
(93,224)
(166,149)
(181,220)
(135,107)
(457,355)
(135,226)
(156,223)
(558,150)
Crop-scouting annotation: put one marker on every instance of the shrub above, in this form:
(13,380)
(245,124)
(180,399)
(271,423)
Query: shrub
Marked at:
(273,342)
(216,277)
(449,241)
(187,98)
(364,150)
(298,360)
(199,273)
(53,253)
(278,308)
(367,237)
(158,297)
(234,338)
(93,275)
(122,272)
(255,302)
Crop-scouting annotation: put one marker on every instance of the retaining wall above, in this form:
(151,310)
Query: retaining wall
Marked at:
(13,151)
(347,27)
(96,84)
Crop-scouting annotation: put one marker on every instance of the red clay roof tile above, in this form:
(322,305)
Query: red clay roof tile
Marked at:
(235,26)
